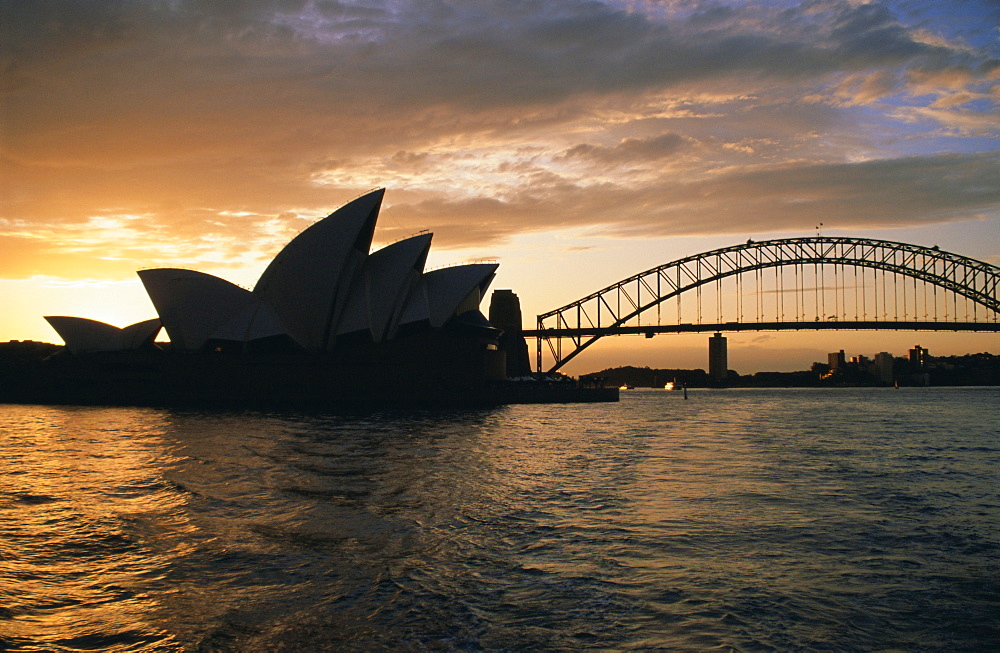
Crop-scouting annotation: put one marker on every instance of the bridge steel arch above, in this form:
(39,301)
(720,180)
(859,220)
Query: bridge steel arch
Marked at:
(607,311)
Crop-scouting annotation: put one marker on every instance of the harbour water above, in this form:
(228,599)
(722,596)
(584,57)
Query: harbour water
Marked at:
(833,519)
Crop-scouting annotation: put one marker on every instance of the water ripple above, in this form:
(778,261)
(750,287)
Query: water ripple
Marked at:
(736,520)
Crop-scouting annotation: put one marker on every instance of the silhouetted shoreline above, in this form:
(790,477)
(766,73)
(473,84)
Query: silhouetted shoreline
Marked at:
(32,372)
(968,370)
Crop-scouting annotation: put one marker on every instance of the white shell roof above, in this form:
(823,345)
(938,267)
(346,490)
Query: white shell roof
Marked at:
(192,305)
(253,322)
(441,292)
(321,284)
(387,280)
(84,335)
(307,283)
(136,335)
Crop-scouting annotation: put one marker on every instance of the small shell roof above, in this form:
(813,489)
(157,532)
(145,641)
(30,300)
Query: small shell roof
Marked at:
(441,292)
(192,305)
(387,280)
(85,335)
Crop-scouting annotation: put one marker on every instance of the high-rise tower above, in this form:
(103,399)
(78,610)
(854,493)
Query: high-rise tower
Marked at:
(718,358)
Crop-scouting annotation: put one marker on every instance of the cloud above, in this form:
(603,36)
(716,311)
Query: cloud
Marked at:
(227,127)
(630,150)
(157,82)
(868,195)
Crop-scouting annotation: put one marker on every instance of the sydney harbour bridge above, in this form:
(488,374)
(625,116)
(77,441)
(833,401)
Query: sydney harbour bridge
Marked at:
(809,283)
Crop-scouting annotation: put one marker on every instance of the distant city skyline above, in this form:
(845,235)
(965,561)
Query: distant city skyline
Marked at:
(574,143)
(749,352)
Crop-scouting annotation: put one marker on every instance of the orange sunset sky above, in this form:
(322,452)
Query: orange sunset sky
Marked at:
(576,143)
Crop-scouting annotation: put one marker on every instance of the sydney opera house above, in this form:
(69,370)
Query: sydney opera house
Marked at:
(328,320)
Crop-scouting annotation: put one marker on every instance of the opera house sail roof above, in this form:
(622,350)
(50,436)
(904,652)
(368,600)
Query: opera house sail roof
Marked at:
(83,336)
(308,282)
(388,279)
(324,285)
(329,323)
(448,291)
(192,304)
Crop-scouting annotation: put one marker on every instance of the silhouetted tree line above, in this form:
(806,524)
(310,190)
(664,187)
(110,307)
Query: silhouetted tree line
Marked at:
(970,369)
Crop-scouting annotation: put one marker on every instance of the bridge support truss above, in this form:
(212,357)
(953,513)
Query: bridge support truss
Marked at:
(796,283)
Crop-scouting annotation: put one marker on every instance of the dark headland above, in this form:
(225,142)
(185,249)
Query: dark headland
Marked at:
(43,373)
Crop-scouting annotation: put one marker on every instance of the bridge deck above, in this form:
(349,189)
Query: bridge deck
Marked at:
(844,325)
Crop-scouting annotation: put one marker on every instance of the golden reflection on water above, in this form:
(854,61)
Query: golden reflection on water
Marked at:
(175,515)
(732,520)
(77,483)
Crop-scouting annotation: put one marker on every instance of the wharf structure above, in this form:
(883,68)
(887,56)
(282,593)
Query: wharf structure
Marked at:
(327,323)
